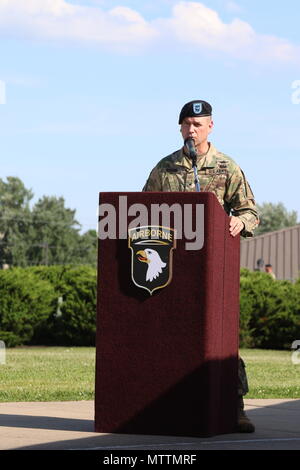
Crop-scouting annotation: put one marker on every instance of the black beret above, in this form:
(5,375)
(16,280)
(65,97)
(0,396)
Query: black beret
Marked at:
(195,108)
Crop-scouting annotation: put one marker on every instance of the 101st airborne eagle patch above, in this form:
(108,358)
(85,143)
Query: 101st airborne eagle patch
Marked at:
(151,256)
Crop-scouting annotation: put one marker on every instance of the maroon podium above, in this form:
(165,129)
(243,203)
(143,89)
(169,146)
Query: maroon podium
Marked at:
(167,361)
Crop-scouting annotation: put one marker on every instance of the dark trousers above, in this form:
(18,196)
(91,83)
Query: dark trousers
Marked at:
(242,381)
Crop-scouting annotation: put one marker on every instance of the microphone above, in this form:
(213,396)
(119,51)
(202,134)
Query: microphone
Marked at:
(190,145)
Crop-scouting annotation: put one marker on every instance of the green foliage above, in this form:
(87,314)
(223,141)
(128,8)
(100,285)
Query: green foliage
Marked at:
(55,232)
(15,219)
(56,305)
(30,311)
(270,311)
(274,217)
(48,233)
(73,321)
(25,302)
(86,248)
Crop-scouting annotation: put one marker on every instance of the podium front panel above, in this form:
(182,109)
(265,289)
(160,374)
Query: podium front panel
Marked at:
(167,361)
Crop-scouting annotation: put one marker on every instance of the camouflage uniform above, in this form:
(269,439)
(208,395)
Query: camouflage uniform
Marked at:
(220,175)
(217,173)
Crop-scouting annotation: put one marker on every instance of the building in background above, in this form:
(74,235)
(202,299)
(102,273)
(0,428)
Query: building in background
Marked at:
(281,249)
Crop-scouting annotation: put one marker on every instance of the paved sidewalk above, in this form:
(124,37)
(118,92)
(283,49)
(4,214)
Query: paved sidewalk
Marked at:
(69,425)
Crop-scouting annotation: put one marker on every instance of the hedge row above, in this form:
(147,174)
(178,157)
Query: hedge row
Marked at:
(56,305)
(270,311)
(48,305)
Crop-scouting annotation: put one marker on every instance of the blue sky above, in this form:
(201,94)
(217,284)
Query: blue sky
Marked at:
(94,89)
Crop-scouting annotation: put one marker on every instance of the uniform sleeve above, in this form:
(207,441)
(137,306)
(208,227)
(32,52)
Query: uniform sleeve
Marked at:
(240,199)
(154,182)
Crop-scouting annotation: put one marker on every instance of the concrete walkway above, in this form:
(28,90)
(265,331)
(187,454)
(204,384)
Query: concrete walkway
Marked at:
(69,425)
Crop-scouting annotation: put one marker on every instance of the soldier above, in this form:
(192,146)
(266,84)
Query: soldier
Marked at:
(219,174)
(269,270)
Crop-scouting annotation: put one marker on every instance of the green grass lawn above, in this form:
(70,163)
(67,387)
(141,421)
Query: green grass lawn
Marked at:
(47,374)
(271,374)
(61,373)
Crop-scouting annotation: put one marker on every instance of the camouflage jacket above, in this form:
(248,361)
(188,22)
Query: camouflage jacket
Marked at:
(217,173)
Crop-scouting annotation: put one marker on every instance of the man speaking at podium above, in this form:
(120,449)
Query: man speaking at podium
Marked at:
(198,165)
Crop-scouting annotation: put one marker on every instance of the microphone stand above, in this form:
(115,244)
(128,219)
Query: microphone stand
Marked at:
(197,183)
(189,142)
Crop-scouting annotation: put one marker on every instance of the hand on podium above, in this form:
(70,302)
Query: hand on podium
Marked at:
(236,226)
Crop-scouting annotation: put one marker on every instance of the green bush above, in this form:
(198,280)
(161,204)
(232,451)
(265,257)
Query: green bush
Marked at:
(73,322)
(25,302)
(270,311)
(30,312)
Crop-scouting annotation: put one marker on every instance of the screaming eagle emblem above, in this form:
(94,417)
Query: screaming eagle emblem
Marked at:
(151,256)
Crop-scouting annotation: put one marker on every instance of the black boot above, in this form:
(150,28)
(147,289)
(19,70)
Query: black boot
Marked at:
(244,423)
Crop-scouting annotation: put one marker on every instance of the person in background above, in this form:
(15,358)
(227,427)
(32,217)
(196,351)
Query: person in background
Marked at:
(269,270)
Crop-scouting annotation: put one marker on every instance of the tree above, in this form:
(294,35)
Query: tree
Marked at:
(274,217)
(15,221)
(86,249)
(47,233)
(55,232)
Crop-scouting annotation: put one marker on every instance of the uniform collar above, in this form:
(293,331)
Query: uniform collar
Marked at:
(207,160)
